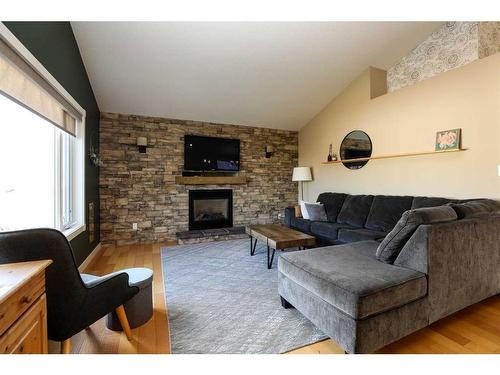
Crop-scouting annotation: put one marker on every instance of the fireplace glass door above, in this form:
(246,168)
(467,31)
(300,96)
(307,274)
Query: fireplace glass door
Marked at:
(210,209)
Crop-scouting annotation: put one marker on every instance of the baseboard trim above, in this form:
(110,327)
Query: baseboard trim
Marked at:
(91,257)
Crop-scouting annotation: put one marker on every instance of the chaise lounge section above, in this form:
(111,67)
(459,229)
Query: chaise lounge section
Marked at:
(368,294)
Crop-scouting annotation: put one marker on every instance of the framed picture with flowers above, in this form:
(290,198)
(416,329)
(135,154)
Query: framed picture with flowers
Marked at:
(448,140)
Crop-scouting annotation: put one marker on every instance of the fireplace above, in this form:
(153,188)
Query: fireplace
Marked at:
(210,209)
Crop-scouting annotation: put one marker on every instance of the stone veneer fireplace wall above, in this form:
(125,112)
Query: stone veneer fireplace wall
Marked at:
(140,188)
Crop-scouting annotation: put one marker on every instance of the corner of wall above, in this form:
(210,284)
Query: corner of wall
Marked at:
(378,82)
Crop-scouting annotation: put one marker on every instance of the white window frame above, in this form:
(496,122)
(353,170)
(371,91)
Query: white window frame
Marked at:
(79,213)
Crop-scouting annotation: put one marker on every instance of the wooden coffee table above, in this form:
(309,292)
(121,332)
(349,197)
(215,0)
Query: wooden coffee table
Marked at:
(277,237)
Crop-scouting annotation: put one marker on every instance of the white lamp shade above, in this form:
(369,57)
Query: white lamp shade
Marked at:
(301,174)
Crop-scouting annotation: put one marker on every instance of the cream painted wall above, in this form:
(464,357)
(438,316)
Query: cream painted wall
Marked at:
(407,121)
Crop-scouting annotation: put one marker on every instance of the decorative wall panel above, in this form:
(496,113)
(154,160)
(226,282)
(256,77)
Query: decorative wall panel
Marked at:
(453,45)
(489,38)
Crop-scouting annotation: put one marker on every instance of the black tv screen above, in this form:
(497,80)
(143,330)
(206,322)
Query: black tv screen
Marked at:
(211,154)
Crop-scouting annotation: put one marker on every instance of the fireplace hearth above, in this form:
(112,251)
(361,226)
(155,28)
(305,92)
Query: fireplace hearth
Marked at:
(210,209)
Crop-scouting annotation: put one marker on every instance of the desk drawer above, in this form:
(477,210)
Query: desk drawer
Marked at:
(20,301)
(28,335)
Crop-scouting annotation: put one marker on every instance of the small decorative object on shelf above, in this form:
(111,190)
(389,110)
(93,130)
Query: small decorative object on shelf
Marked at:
(331,154)
(448,140)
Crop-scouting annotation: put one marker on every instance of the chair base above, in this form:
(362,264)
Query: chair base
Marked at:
(122,317)
(66,346)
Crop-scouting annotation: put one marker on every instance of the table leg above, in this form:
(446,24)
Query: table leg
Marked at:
(253,245)
(270,261)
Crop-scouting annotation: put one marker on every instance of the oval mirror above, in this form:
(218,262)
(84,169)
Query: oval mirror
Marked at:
(357,144)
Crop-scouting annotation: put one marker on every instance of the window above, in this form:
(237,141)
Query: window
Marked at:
(41,146)
(38,184)
(66,151)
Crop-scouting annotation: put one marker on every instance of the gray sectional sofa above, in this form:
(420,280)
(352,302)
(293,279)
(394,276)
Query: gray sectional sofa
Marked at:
(353,218)
(388,275)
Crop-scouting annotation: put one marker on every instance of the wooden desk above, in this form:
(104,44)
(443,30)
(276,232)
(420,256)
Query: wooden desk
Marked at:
(23,308)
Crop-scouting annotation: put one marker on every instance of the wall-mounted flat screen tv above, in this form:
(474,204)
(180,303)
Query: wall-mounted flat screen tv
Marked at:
(211,154)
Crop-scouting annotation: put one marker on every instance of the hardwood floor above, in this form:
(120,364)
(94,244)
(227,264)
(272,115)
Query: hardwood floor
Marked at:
(473,330)
(152,337)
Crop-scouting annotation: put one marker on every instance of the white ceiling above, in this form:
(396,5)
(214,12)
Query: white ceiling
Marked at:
(274,75)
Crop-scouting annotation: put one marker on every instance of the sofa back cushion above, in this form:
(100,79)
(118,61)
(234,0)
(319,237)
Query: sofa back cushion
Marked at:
(392,244)
(475,208)
(386,210)
(333,203)
(421,202)
(355,210)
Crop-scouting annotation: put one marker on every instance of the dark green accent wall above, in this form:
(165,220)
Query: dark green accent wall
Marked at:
(54,45)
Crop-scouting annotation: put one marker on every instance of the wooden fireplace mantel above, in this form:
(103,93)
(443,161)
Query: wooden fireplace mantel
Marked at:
(211,180)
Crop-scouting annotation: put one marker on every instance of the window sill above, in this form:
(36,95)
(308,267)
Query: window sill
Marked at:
(73,232)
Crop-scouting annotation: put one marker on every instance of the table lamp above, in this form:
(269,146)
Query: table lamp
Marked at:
(301,174)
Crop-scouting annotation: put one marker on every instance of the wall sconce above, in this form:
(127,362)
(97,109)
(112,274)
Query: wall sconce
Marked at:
(142,143)
(269,151)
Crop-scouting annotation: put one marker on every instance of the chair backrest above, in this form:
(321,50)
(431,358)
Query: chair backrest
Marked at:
(64,286)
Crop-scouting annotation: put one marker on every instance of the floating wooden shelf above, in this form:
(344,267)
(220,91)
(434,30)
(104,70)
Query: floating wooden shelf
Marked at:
(391,156)
(211,180)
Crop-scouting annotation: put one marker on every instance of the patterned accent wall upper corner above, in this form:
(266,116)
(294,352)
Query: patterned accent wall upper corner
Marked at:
(453,45)
(489,38)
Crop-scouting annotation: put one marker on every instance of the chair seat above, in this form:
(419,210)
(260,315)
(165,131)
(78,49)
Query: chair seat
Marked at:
(361,234)
(327,230)
(139,277)
(350,278)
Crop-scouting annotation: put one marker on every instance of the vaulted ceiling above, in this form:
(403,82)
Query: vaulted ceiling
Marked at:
(275,75)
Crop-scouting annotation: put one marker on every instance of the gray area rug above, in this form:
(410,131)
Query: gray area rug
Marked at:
(222,300)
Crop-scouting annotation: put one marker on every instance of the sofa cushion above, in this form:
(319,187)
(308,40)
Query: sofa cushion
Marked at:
(386,210)
(421,202)
(393,243)
(303,210)
(301,224)
(351,280)
(355,210)
(315,211)
(327,230)
(475,208)
(355,235)
(333,203)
